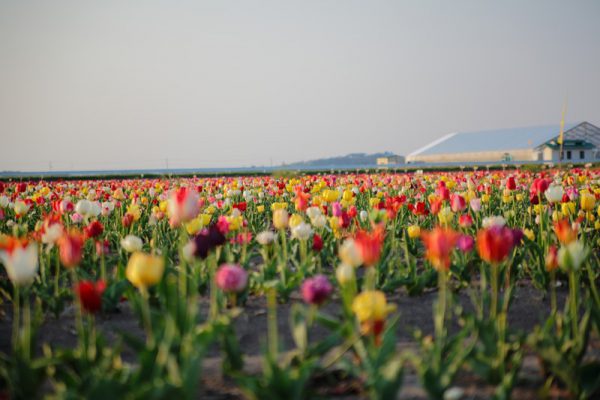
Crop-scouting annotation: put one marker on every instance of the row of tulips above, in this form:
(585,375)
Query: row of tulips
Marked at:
(159,246)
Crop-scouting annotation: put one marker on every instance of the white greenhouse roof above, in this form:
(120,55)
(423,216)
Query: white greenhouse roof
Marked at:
(493,140)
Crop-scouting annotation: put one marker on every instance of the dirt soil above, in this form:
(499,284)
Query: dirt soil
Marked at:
(528,309)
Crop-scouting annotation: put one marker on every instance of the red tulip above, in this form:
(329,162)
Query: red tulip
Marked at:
(317,243)
(93,230)
(495,243)
(90,295)
(369,245)
(71,249)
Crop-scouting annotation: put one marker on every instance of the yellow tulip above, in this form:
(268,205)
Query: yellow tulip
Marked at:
(144,270)
(295,220)
(374,201)
(280,219)
(414,231)
(445,216)
(371,305)
(529,234)
(330,195)
(193,226)
(588,201)
(278,206)
(568,208)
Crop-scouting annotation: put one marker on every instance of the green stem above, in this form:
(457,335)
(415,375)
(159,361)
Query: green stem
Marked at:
(214,309)
(16,317)
(553,292)
(370,278)
(272,322)
(146,317)
(573,300)
(494,294)
(78,311)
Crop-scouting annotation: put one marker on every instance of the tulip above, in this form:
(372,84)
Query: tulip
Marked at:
(20,259)
(552,259)
(208,239)
(317,243)
(572,255)
(313,212)
(475,204)
(445,216)
(144,270)
(565,232)
(93,230)
(371,309)
(369,245)
(319,221)
(70,247)
(344,274)
(465,243)
(280,219)
(510,183)
(489,222)
(21,208)
(52,232)
(439,244)
(231,278)
(495,243)
(265,238)
(349,253)
(183,206)
(131,243)
(465,221)
(83,207)
(294,221)
(554,194)
(414,231)
(90,295)
(316,290)
(457,203)
(587,201)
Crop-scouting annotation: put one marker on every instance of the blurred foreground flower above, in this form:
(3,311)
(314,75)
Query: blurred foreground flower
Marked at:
(144,270)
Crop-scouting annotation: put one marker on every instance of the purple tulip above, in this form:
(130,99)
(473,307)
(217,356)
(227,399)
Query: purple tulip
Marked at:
(316,290)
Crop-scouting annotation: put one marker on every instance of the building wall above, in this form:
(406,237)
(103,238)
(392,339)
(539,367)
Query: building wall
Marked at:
(487,156)
(589,155)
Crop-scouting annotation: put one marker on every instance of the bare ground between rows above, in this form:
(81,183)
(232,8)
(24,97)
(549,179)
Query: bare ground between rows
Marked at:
(530,307)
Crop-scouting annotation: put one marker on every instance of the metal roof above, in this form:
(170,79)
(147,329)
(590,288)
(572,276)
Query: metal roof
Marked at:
(493,140)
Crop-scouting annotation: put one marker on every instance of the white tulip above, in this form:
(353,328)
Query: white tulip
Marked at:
(349,253)
(493,221)
(363,215)
(319,221)
(301,231)
(83,207)
(131,243)
(265,238)
(313,212)
(554,194)
(21,264)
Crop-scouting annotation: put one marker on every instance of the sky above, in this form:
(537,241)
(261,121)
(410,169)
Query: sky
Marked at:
(131,84)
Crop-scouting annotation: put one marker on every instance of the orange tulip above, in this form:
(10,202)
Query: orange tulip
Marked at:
(439,244)
(564,231)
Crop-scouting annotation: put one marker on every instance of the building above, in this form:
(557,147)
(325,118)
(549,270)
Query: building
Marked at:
(390,160)
(527,144)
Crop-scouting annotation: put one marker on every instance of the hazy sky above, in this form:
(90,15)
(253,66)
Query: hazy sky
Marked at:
(127,84)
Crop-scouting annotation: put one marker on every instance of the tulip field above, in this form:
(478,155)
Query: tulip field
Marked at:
(445,285)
